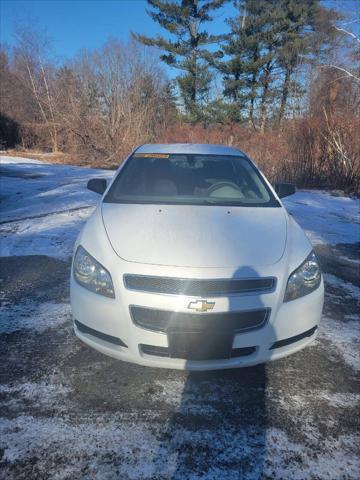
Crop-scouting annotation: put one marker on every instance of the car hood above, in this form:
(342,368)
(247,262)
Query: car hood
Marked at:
(196,236)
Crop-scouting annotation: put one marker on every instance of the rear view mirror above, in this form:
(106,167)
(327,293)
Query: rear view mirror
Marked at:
(284,189)
(97,185)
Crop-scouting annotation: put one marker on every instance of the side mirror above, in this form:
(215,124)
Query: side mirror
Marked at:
(284,189)
(97,185)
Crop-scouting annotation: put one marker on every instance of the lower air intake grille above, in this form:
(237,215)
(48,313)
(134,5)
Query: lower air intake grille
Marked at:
(196,287)
(163,321)
(95,333)
(297,338)
(155,351)
(164,351)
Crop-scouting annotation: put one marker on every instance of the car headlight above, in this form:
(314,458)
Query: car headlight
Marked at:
(89,273)
(305,279)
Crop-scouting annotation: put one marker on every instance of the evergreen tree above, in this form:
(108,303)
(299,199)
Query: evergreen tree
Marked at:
(186,47)
(268,41)
(250,52)
(306,30)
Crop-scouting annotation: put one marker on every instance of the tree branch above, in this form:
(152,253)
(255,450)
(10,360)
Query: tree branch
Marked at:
(342,70)
(347,33)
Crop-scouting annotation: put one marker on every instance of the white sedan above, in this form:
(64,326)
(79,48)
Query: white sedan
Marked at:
(190,261)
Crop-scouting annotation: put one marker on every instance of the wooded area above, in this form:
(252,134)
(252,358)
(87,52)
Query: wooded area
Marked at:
(282,83)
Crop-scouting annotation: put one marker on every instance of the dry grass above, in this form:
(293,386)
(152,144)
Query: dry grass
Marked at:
(313,152)
(59,157)
(268,149)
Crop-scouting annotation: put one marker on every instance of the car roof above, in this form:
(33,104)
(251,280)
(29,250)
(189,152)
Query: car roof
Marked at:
(188,148)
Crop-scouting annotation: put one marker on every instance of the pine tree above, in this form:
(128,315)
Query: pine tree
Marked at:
(249,53)
(297,20)
(185,49)
(268,42)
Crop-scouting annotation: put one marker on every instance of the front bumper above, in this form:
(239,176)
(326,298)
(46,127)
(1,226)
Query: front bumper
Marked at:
(296,320)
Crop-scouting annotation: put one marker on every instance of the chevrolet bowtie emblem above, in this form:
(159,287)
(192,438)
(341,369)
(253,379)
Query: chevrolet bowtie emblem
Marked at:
(201,305)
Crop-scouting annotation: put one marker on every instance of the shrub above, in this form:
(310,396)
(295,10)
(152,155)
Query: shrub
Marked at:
(312,152)
(9,132)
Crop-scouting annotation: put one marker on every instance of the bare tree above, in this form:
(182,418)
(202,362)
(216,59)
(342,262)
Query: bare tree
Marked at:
(113,98)
(353,43)
(36,74)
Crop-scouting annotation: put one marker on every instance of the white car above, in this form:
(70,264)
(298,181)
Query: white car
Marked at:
(190,261)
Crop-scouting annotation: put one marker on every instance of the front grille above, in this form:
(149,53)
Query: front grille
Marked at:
(164,321)
(198,287)
(165,352)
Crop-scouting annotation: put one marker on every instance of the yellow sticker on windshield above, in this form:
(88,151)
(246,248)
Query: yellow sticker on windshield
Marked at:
(152,155)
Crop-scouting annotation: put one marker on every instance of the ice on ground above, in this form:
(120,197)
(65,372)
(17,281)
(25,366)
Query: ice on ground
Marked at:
(53,235)
(343,400)
(325,218)
(44,395)
(344,336)
(349,288)
(34,317)
(98,449)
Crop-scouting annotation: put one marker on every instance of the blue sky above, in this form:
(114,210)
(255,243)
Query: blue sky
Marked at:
(75,24)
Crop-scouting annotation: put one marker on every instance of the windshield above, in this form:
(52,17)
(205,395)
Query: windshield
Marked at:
(190,180)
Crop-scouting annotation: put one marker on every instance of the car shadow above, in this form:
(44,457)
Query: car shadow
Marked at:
(218,428)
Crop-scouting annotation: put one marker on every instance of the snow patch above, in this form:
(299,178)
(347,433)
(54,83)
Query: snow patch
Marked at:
(43,206)
(343,400)
(349,288)
(336,458)
(4,159)
(43,395)
(33,317)
(53,235)
(345,337)
(100,448)
(325,218)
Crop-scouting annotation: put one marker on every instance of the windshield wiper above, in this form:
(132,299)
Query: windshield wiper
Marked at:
(225,203)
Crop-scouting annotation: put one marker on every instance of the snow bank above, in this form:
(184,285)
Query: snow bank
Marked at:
(43,206)
(325,218)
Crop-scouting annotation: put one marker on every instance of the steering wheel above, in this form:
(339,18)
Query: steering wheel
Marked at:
(230,189)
